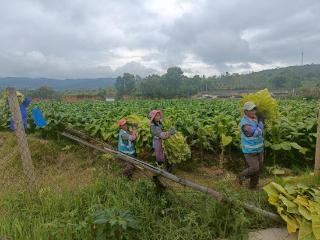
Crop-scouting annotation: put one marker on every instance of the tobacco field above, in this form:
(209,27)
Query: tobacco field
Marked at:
(206,126)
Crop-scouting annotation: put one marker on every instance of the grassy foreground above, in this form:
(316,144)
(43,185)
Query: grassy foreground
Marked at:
(81,195)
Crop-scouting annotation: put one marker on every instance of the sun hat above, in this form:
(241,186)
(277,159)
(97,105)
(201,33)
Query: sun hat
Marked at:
(248,106)
(153,113)
(122,122)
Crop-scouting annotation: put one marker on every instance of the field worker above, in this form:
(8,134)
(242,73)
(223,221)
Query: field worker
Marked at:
(126,146)
(23,109)
(251,129)
(156,128)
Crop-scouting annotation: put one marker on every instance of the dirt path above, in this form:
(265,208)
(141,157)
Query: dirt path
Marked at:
(272,234)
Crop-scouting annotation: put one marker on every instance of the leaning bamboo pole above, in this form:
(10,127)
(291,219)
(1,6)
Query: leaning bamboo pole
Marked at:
(218,196)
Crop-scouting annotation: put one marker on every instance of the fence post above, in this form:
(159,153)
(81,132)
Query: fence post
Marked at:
(21,137)
(317,157)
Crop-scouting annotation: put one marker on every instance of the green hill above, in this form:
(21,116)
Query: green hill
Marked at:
(278,78)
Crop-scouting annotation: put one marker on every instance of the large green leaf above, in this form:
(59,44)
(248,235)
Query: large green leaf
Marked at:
(292,223)
(305,231)
(291,189)
(314,207)
(272,189)
(298,147)
(303,207)
(190,130)
(296,209)
(291,206)
(226,140)
(316,225)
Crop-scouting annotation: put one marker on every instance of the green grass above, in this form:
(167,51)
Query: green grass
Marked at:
(76,183)
(69,215)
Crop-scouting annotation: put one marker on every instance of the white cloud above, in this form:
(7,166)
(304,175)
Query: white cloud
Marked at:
(169,10)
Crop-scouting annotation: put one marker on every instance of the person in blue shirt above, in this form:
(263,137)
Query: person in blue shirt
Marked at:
(126,145)
(252,144)
(24,114)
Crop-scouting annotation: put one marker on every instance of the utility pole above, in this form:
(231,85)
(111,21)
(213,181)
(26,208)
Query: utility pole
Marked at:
(302,58)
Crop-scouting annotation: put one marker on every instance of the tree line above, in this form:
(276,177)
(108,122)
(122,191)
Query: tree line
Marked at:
(175,84)
(171,84)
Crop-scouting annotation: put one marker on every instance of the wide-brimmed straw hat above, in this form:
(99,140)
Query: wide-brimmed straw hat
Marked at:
(122,122)
(153,113)
(248,106)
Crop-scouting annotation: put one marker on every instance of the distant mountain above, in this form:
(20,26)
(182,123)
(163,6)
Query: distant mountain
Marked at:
(278,78)
(65,84)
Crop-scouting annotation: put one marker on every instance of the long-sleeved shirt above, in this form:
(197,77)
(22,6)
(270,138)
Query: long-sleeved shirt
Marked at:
(251,131)
(156,129)
(131,137)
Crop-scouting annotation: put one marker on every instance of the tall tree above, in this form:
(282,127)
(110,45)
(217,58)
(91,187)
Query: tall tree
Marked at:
(152,87)
(43,92)
(125,84)
(172,81)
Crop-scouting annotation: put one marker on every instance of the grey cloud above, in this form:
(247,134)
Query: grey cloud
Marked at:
(35,64)
(63,39)
(214,33)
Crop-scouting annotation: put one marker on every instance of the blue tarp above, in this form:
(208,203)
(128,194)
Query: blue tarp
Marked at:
(38,117)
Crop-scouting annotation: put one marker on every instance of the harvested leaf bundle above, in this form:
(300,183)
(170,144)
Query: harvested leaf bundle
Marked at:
(176,148)
(143,142)
(267,106)
(299,206)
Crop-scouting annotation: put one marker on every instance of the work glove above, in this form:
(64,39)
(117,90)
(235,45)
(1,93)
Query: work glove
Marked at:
(261,125)
(172,131)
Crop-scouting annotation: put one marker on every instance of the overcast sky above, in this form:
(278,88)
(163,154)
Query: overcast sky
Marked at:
(98,38)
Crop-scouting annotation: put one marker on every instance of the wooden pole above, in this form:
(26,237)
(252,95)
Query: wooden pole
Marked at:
(218,196)
(21,136)
(317,157)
